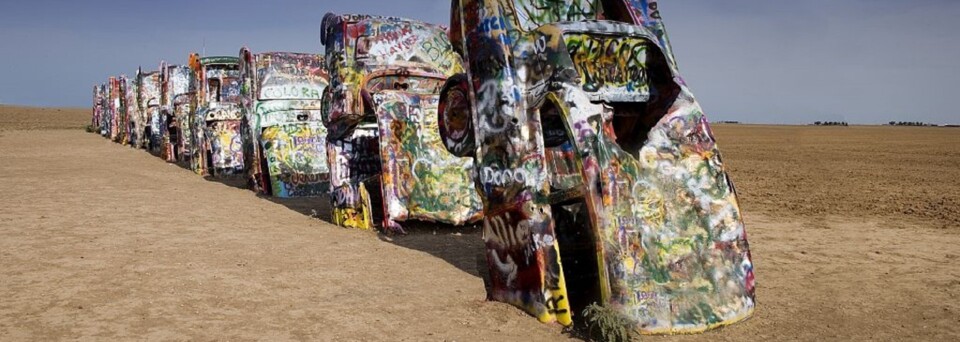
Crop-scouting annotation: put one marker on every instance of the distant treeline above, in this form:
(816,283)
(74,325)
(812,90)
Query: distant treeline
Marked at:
(830,123)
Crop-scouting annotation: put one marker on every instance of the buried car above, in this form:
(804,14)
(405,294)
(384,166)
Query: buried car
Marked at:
(105,111)
(123,111)
(132,107)
(380,112)
(98,107)
(177,104)
(113,109)
(591,149)
(147,122)
(217,144)
(286,138)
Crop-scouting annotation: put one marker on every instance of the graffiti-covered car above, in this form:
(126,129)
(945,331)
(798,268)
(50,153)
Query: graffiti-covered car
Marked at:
(148,120)
(590,149)
(132,106)
(287,152)
(123,111)
(98,107)
(380,112)
(217,143)
(176,107)
(111,129)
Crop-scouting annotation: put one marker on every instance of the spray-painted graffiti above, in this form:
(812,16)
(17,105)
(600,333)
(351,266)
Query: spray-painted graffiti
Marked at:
(297,159)
(354,166)
(124,110)
(148,122)
(281,102)
(213,143)
(114,128)
(591,150)
(178,97)
(103,128)
(613,68)
(132,106)
(385,78)
(226,147)
(420,179)
(98,107)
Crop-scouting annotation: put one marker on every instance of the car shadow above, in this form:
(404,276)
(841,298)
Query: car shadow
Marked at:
(314,207)
(233,181)
(460,246)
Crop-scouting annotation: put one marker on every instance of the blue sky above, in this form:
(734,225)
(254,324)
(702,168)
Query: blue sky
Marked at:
(861,61)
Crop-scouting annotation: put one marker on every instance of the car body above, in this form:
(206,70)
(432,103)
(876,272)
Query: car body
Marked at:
(287,149)
(97,109)
(123,111)
(380,112)
(113,108)
(177,98)
(148,120)
(217,140)
(132,107)
(590,149)
(104,122)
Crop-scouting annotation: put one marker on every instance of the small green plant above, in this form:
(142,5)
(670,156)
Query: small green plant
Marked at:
(606,324)
(89,128)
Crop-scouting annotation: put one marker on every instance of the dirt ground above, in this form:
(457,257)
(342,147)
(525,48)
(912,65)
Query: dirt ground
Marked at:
(33,118)
(854,234)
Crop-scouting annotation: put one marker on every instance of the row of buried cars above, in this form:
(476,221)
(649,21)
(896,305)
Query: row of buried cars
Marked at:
(563,126)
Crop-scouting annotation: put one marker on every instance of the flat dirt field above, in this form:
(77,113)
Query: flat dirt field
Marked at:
(855,235)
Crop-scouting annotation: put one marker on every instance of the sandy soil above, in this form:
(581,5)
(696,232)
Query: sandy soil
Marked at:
(101,241)
(898,173)
(32,118)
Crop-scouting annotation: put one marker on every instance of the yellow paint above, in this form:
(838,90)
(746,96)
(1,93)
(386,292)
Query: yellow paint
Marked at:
(360,218)
(559,296)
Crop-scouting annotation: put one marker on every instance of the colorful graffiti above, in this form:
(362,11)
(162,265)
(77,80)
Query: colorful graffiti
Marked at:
(114,116)
(354,164)
(420,178)
(214,132)
(123,111)
(132,107)
(385,78)
(177,98)
(98,107)
(225,147)
(281,100)
(297,159)
(590,149)
(148,122)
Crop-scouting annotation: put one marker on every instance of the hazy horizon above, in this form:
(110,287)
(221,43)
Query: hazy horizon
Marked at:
(859,61)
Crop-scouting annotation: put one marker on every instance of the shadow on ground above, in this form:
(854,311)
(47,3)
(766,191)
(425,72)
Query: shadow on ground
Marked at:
(460,246)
